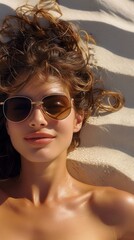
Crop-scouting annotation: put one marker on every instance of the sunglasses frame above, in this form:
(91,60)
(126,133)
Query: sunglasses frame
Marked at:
(39,104)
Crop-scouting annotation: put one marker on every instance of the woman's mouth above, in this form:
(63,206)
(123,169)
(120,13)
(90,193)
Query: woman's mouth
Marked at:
(39,138)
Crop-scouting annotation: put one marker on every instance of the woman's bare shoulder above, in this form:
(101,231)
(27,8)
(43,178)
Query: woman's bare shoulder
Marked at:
(108,197)
(116,208)
(112,197)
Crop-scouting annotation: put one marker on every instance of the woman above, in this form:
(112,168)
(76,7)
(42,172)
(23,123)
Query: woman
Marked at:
(47,92)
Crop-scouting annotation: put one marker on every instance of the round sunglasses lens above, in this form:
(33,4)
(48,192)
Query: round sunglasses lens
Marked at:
(17,109)
(57,107)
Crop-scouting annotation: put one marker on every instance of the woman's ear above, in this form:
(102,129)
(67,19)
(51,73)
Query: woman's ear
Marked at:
(79,117)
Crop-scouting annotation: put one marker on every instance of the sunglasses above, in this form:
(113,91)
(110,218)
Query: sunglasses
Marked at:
(19,108)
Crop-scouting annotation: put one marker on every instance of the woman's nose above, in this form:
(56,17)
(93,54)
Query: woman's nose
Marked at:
(37,118)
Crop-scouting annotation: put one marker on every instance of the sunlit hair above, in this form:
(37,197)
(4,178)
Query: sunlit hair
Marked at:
(38,41)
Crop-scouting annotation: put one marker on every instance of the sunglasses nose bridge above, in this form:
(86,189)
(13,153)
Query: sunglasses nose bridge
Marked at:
(37,104)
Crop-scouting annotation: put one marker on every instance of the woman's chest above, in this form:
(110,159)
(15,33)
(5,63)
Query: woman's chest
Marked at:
(19,222)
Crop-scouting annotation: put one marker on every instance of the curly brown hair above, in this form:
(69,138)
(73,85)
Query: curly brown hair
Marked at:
(37,41)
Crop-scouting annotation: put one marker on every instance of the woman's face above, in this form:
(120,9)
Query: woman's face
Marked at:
(39,138)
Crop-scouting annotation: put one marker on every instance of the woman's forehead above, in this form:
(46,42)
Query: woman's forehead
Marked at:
(48,85)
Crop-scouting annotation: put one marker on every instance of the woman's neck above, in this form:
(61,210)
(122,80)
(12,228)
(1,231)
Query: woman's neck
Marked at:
(45,182)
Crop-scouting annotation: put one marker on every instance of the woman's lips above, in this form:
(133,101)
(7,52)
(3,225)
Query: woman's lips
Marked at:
(39,138)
